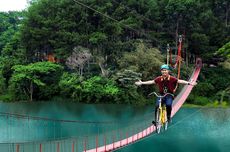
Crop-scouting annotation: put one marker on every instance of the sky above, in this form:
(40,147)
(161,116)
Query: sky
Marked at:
(12,5)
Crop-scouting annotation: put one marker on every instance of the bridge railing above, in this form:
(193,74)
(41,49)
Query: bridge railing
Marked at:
(23,133)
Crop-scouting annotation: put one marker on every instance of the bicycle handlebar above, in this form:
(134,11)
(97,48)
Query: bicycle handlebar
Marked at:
(160,95)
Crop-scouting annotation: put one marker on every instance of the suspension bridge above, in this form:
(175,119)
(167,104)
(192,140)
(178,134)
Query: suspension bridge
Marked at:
(88,136)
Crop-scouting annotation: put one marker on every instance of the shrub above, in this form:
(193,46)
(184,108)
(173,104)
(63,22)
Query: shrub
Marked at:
(6,97)
(200,100)
(96,89)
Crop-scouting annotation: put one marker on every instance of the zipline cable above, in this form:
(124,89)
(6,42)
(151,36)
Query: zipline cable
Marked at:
(146,19)
(115,20)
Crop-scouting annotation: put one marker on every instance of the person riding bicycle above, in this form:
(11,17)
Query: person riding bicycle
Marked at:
(166,84)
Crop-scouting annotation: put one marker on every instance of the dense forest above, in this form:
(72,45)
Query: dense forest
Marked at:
(93,51)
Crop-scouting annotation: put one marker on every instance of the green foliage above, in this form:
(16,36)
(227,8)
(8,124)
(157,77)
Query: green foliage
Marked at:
(225,50)
(204,89)
(144,60)
(214,84)
(68,83)
(9,26)
(6,97)
(97,38)
(217,77)
(223,95)
(127,78)
(6,63)
(36,79)
(200,42)
(97,89)
(226,64)
(200,100)
(59,26)
(14,49)
(185,71)
(2,82)
(129,93)
(218,104)
(11,51)
(93,90)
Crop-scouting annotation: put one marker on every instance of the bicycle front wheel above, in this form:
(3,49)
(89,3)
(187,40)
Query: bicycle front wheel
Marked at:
(158,121)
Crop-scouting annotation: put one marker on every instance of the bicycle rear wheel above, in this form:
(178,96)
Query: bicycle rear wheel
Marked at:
(166,125)
(165,119)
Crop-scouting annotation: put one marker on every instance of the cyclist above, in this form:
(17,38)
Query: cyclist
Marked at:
(166,84)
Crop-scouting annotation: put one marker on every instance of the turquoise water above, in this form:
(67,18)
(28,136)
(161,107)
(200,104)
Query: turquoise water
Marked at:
(192,129)
(13,129)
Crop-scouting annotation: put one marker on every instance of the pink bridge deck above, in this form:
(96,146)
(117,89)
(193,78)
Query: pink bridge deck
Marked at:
(178,101)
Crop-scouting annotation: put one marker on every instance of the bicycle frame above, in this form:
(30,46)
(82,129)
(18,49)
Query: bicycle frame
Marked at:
(161,113)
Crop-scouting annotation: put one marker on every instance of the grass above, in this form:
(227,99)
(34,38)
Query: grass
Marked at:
(214,104)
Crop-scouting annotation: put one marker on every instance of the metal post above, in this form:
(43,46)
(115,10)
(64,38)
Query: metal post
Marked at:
(17,148)
(96,142)
(141,133)
(85,145)
(120,139)
(73,146)
(40,147)
(113,140)
(58,147)
(132,134)
(137,134)
(127,141)
(105,141)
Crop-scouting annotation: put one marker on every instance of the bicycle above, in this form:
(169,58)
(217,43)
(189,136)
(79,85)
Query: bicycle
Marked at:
(161,113)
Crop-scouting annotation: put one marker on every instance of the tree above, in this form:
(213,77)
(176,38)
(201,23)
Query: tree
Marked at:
(143,60)
(96,89)
(224,51)
(70,85)
(78,59)
(32,78)
(199,43)
(224,94)
(10,24)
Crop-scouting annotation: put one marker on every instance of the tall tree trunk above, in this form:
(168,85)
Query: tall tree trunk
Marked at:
(222,96)
(104,72)
(31,91)
(226,15)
